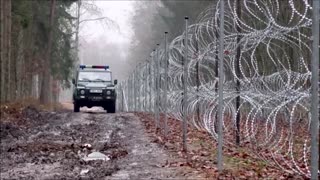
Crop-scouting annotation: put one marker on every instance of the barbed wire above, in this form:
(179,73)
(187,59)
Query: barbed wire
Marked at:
(274,79)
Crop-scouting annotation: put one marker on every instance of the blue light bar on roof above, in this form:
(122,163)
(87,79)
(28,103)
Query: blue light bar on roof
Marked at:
(94,66)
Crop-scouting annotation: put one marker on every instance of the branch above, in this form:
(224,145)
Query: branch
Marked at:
(95,19)
(109,22)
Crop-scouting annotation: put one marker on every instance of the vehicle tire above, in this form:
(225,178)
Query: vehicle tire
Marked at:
(76,107)
(112,108)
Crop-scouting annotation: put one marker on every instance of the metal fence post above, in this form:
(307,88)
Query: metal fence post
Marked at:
(130,89)
(145,82)
(237,71)
(128,94)
(185,79)
(220,88)
(132,93)
(154,88)
(138,86)
(165,96)
(120,104)
(157,62)
(197,81)
(134,90)
(150,86)
(315,93)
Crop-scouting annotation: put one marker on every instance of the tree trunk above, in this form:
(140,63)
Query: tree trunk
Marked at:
(18,65)
(77,32)
(2,49)
(5,49)
(8,53)
(15,32)
(45,95)
(30,58)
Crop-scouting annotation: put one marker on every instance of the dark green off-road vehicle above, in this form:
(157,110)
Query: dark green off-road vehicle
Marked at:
(93,86)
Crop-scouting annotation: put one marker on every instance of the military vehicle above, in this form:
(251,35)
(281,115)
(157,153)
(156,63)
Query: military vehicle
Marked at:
(93,86)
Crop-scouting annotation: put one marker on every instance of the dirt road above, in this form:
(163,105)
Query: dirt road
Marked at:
(52,145)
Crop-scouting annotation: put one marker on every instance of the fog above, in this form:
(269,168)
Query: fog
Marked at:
(101,52)
(132,30)
(108,44)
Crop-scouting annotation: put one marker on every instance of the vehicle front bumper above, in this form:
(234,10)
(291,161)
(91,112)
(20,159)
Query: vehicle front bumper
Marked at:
(94,100)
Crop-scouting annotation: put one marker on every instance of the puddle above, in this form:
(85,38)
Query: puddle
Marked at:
(96,156)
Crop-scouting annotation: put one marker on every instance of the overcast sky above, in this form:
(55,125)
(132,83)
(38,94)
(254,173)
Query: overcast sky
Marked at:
(108,45)
(118,11)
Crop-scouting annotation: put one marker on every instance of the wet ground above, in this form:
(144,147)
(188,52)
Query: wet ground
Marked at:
(55,145)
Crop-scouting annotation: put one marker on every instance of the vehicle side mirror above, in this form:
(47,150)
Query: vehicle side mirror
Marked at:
(115,82)
(73,81)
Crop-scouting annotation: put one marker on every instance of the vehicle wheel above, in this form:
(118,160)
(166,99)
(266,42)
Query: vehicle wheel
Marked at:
(112,108)
(76,107)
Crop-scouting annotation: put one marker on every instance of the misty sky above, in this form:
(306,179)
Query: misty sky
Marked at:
(119,12)
(101,44)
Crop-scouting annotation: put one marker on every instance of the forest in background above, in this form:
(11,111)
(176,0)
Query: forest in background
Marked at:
(152,19)
(39,41)
(37,48)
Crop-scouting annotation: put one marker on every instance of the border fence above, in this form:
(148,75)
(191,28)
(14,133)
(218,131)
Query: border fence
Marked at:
(267,78)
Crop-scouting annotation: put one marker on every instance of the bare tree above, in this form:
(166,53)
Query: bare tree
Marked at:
(89,7)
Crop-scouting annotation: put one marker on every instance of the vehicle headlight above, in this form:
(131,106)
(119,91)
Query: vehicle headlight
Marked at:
(108,92)
(82,92)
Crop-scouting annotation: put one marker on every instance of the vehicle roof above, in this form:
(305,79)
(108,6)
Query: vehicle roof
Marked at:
(94,70)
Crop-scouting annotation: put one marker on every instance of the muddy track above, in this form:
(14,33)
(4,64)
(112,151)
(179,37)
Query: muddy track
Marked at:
(52,146)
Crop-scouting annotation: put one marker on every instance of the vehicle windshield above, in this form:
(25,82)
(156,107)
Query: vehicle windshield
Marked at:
(94,76)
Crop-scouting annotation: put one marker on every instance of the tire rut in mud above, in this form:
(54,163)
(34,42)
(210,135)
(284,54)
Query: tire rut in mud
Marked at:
(55,149)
